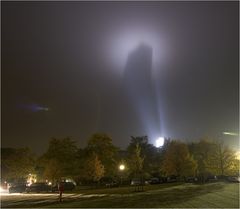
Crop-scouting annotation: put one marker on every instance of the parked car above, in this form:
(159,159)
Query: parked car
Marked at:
(112,184)
(17,188)
(171,179)
(136,182)
(211,179)
(234,179)
(191,179)
(154,181)
(109,182)
(67,186)
(163,179)
(39,187)
(222,178)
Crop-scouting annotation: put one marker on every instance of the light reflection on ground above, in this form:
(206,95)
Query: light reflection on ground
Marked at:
(26,194)
(25,199)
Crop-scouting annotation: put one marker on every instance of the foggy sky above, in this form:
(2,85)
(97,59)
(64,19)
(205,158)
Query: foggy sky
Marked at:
(71,57)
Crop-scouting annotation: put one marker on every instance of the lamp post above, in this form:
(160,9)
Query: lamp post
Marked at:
(121,168)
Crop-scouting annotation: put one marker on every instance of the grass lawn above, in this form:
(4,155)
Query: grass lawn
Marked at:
(213,195)
(125,189)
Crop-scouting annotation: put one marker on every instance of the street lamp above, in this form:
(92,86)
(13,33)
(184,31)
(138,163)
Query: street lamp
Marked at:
(121,168)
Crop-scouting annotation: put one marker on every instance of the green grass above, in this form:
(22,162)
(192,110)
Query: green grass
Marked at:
(214,195)
(124,189)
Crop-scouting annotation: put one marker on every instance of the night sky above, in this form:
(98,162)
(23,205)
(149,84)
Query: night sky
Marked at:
(124,68)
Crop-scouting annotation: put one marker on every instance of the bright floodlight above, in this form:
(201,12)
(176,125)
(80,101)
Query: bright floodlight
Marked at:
(160,142)
(230,133)
(238,155)
(122,167)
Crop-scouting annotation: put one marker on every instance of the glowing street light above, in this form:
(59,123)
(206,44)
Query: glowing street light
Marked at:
(121,167)
(159,142)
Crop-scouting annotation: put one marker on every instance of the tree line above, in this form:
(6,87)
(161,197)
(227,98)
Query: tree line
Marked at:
(100,159)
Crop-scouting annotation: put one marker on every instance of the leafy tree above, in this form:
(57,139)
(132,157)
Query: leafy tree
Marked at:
(178,161)
(137,160)
(160,157)
(17,163)
(151,154)
(102,146)
(94,168)
(81,158)
(234,167)
(202,152)
(53,170)
(214,158)
(136,165)
(223,160)
(60,159)
(142,141)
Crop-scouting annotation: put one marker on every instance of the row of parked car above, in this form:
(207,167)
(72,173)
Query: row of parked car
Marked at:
(169,179)
(190,179)
(69,186)
(154,180)
(39,187)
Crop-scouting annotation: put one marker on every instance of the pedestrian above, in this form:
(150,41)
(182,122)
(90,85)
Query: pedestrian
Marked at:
(60,189)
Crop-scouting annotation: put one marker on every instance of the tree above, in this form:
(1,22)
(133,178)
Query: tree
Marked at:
(214,158)
(53,170)
(17,163)
(151,154)
(234,167)
(137,160)
(60,159)
(136,164)
(202,152)
(81,158)
(102,146)
(178,161)
(223,160)
(94,168)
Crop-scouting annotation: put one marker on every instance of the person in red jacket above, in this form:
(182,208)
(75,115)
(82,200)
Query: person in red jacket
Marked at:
(60,189)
